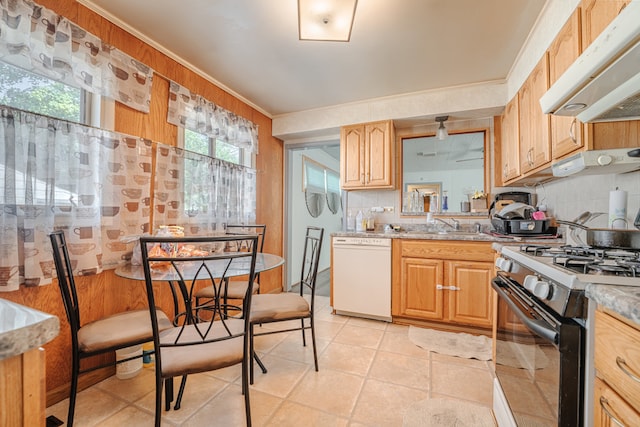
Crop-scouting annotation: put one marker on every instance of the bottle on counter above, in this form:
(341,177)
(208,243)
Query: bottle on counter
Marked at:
(434,204)
(370,222)
(359,221)
(351,221)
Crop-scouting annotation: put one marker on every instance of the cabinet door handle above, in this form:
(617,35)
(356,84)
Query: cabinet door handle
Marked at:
(450,288)
(572,130)
(622,364)
(604,404)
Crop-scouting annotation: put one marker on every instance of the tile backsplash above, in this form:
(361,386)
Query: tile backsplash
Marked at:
(565,198)
(568,197)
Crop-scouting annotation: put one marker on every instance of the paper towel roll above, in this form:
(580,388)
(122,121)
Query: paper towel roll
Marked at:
(618,209)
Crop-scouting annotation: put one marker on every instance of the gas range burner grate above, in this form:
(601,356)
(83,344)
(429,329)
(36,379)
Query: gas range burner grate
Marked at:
(575,262)
(609,270)
(632,265)
(536,250)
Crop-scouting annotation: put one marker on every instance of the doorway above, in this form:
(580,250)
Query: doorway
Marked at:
(302,210)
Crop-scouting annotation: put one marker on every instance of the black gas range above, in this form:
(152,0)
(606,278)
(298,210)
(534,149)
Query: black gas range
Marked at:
(558,275)
(542,322)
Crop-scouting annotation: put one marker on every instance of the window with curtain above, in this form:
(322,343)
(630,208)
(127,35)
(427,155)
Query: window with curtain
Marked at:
(55,174)
(202,193)
(37,39)
(203,144)
(31,92)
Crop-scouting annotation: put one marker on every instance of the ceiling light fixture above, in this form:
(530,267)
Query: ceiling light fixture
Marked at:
(442,131)
(326,20)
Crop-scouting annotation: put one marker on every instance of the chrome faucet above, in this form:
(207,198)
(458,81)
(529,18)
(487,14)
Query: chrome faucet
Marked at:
(455,226)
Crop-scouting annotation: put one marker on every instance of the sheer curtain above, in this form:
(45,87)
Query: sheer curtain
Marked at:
(201,193)
(91,183)
(37,39)
(191,111)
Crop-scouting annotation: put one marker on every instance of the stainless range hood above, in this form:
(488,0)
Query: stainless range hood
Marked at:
(603,84)
(597,162)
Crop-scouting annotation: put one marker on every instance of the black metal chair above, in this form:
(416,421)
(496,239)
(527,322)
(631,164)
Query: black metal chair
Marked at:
(235,289)
(192,345)
(100,336)
(272,308)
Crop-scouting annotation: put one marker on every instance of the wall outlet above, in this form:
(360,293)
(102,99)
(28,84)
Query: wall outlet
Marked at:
(388,209)
(377,209)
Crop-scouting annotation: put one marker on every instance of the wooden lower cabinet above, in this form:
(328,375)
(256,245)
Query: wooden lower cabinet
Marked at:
(610,409)
(617,362)
(445,282)
(23,389)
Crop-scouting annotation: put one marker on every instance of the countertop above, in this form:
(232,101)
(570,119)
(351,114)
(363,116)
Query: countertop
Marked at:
(624,300)
(23,328)
(454,235)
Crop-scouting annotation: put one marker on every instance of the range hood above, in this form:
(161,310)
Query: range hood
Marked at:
(619,160)
(603,84)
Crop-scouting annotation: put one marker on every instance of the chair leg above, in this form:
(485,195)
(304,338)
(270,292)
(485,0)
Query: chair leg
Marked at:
(251,354)
(158,413)
(183,383)
(247,362)
(313,342)
(304,340)
(169,393)
(74,390)
(259,362)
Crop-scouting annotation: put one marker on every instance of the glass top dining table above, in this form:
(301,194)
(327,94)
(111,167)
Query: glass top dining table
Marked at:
(218,268)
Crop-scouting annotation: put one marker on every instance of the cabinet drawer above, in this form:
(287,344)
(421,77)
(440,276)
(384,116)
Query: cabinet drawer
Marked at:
(451,249)
(617,357)
(610,409)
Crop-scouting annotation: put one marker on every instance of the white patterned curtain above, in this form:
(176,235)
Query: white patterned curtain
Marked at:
(91,183)
(36,39)
(201,193)
(192,111)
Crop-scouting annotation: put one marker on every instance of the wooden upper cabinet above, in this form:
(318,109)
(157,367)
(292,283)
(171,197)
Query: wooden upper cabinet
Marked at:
(566,132)
(509,141)
(534,126)
(352,156)
(366,155)
(596,15)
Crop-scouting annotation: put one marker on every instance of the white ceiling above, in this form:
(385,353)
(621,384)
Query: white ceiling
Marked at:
(251,47)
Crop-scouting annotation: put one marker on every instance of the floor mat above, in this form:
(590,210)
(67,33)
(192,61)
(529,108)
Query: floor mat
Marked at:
(447,413)
(453,344)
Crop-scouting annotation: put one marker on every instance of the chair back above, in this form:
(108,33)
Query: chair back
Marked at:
(66,283)
(259,229)
(310,260)
(190,263)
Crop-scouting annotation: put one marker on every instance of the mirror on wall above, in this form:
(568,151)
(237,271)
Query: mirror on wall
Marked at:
(439,175)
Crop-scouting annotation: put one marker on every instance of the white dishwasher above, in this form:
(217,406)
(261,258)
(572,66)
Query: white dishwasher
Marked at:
(362,277)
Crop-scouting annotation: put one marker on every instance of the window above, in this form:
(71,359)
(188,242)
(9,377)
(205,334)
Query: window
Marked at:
(31,92)
(200,143)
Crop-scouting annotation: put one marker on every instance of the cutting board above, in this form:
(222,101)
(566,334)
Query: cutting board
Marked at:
(501,204)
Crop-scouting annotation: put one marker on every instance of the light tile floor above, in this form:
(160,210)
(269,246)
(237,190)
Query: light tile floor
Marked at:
(370,373)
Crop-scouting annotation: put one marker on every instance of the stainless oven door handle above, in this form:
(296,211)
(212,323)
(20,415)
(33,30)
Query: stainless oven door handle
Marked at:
(539,327)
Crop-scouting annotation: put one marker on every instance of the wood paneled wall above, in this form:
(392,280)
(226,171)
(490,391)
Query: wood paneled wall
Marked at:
(106,293)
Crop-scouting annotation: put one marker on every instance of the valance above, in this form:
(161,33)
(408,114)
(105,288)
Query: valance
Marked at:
(36,39)
(193,112)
